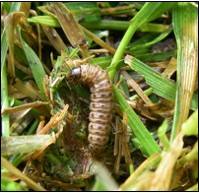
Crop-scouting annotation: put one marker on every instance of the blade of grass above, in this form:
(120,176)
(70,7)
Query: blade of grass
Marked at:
(149,12)
(103,61)
(153,78)
(194,188)
(54,38)
(157,39)
(123,25)
(165,170)
(5,103)
(4,44)
(161,85)
(48,20)
(162,134)
(11,22)
(51,21)
(6,6)
(89,12)
(190,127)
(4,84)
(146,165)
(68,23)
(24,144)
(137,127)
(185,25)
(99,41)
(35,65)
(155,57)
(104,181)
(16,172)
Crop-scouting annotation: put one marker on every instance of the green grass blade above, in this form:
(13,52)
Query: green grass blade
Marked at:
(137,127)
(190,127)
(6,6)
(161,85)
(154,41)
(45,20)
(7,185)
(155,57)
(51,21)
(162,134)
(89,11)
(123,25)
(35,65)
(153,78)
(4,48)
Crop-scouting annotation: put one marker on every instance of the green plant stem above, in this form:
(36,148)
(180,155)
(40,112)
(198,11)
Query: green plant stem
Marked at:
(120,50)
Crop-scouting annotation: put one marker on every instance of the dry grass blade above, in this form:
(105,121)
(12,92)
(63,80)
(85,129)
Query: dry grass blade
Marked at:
(10,23)
(54,38)
(136,87)
(151,181)
(186,32)
(24,88)
(70,27)
(22,176)
(170,68)
(55,120)
(167,166)
(99,41)
(22,107)
(143,167)
(121,144)
(25,7)
(115,9)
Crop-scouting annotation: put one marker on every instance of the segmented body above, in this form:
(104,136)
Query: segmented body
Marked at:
(101,104)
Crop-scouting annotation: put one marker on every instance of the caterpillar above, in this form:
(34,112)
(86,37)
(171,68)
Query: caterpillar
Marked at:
(101,104)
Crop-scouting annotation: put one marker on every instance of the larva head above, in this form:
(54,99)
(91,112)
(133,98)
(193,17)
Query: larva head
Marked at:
(75,74)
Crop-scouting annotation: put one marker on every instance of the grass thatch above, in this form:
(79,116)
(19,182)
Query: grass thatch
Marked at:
(150,51)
